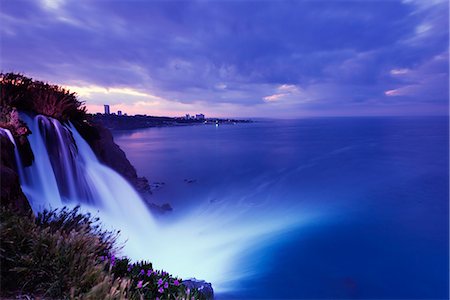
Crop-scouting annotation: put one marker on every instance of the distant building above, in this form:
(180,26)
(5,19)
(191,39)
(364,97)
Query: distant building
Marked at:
(107,109)
(200,117)
(119,112)
(187,117)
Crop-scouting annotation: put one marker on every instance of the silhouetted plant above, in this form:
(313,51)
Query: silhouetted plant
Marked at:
(26,94)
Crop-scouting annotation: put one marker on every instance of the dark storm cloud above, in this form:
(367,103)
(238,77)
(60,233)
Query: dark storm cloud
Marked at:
(332,53)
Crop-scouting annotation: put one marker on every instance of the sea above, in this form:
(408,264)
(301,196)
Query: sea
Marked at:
(331,208)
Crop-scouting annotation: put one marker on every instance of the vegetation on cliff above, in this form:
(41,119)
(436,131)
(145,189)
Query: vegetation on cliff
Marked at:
(67,255)
(25,94)
(21,93)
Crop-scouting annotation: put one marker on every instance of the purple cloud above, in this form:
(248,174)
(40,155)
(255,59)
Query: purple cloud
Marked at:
(232,57)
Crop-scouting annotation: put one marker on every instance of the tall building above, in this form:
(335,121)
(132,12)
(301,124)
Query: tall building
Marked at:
(187,117)
(107,109)
(119,112)
(200,117)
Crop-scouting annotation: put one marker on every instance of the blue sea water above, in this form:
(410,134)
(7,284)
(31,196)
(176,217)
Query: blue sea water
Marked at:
(379,188)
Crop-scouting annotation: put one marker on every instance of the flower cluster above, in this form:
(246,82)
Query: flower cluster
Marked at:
(148,283)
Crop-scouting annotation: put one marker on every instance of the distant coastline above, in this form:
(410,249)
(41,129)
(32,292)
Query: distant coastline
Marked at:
(123,122)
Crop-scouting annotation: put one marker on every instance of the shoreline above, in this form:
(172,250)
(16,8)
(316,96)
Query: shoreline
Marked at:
(118,123)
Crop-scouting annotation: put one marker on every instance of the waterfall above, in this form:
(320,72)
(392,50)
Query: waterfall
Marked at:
(66,172)
(208,243)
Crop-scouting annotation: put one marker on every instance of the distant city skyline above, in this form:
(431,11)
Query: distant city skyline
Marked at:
(107,111)
(278,59)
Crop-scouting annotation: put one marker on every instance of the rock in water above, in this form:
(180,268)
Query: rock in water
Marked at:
(204,288)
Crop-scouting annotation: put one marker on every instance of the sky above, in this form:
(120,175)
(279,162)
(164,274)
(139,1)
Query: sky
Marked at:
(236,58)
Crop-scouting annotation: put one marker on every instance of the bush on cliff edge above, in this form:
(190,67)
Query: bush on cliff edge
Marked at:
(25,94)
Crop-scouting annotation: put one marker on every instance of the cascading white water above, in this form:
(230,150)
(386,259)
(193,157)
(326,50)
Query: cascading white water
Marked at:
(67,172)
(207,243)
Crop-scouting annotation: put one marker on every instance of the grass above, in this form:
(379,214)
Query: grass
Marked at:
(64,254)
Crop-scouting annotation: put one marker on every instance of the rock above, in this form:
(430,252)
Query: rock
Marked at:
(160,209)
(202,286)
(7,152)
(26,154)
(154,186)
(11,193)
(109,153)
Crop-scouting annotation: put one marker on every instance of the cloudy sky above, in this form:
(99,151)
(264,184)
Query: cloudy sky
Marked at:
(236,58)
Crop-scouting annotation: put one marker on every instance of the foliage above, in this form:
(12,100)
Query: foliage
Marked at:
(50,262)
(26,94)
(67,220)
(147,283)
(65,254)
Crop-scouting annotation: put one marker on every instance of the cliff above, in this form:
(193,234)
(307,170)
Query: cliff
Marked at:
(39,251)
(11,193)
(18,92)
(109,153)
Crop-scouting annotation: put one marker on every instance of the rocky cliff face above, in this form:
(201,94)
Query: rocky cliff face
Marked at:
(19,93)
(109,153)
(204,288)
(11,193)
(101,142)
